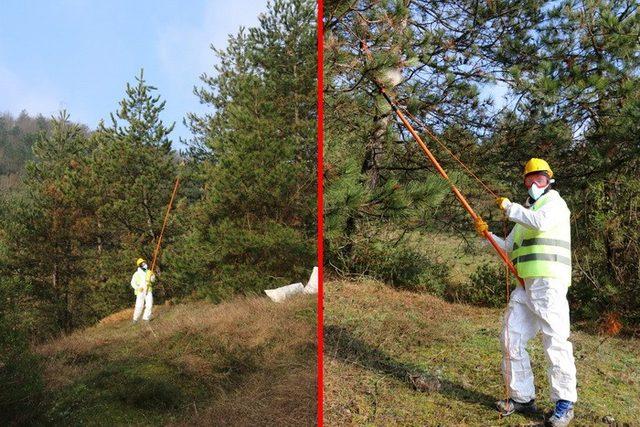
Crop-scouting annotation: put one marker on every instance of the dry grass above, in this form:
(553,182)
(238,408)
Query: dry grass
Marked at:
(118,316)
(245,362)
(377,340)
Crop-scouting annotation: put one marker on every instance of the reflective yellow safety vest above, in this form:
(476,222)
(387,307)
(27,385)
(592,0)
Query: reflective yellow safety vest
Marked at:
(142,279)
(543,253)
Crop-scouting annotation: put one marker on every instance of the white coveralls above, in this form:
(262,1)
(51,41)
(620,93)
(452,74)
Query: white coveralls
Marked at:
(540,306)
(141,284)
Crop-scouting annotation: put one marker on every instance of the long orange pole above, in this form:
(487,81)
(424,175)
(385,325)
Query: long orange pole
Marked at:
(463,201)
(164,224)
(503,255)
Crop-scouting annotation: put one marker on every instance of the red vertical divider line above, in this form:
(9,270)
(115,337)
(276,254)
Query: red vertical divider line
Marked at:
(320,223)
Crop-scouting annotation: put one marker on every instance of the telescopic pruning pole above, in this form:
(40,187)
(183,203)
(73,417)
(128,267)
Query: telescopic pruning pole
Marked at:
(503,255)
(164,224)
(463,201)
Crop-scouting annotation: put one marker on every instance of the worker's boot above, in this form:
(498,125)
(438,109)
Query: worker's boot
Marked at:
(509,406)
(562,415)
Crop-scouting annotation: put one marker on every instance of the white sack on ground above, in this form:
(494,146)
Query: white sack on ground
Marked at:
(282,293)
(312,284)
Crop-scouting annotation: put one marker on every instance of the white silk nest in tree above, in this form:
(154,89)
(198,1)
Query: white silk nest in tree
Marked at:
(391,77)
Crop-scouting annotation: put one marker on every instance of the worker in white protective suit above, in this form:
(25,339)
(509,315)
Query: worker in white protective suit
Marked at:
(141,282)
(540,248)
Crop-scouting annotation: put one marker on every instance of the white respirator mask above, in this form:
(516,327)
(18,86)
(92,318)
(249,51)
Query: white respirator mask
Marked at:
(535,192)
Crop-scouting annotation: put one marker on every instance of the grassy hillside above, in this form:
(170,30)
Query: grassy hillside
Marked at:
(245,362)
(377,338)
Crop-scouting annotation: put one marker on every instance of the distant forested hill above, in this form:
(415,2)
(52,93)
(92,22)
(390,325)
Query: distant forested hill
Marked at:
(17,135)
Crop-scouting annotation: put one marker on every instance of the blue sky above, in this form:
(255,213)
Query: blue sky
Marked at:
(79,54)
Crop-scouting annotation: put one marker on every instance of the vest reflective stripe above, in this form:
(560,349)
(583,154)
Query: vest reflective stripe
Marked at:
(542,253)
(542,257)
(545,242)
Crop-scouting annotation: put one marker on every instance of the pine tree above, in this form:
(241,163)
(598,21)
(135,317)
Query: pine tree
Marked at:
(133,172)
(580,108)
(433,57)
(578,87)
(48,228)
(255,225)
(91,204)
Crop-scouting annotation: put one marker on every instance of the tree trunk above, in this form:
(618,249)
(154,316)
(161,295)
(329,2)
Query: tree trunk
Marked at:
(388,78)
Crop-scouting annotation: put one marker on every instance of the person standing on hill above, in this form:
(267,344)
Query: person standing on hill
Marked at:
(540,248)
(141,283)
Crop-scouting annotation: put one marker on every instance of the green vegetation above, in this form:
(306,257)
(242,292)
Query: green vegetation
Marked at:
(486,286)
(254,224)
(86,203)
(377,338)
(17,136)
(498,82)
(569,74)
(22,384)
(91,202)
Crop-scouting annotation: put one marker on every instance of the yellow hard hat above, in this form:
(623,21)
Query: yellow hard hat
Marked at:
(537,165)
(139,261)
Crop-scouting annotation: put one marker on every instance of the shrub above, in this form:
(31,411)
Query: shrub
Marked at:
(485,287)
(20,377)
(399,265)
(606,240)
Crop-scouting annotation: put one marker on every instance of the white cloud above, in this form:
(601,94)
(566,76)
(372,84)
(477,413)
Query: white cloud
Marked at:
(183,51)
(18,95)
